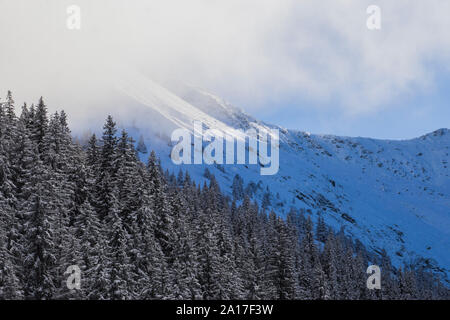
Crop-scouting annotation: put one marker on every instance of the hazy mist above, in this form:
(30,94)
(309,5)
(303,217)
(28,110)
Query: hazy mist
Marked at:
(250,52)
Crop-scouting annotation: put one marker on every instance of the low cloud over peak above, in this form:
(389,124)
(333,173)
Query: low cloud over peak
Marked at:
(250,52)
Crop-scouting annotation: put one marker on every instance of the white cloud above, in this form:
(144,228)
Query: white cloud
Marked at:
(254,51)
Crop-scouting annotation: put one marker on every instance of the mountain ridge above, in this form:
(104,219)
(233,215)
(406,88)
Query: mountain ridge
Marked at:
(390,194)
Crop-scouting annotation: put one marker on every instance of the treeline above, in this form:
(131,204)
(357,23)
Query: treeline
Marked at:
(137,232)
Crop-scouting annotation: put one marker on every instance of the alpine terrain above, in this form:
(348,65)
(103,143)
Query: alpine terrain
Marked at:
(389,194)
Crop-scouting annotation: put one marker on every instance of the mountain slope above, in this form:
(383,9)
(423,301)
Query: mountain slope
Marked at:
(389,194)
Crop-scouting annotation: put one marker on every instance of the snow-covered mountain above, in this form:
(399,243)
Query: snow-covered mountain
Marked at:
(388,194)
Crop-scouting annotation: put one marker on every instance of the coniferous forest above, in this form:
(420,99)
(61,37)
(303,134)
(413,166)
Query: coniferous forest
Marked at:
(139,232)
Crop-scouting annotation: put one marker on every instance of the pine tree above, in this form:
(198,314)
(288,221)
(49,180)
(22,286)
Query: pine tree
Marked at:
(117,252)
(39,123)
(389,289)
(93,153)
(105,197)
(129,181)
(238,187)
(141,147)
(180,179)
(288,269)
(9,107)
(164,219)
(311,278)
(250,251)
(185,265)
(321,229)
(329,262)
(91,242)
(272,284)
(267,200)
(209,260)
(407,284)
(40,259)
(10,286)
(97,281)
(8,139)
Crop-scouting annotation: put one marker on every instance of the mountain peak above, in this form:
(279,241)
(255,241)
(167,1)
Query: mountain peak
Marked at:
(437,133)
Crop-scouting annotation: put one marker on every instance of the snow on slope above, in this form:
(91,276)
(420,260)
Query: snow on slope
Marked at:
(388,194)
(171,107)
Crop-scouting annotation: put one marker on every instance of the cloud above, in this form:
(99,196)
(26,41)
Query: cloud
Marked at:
(253,51)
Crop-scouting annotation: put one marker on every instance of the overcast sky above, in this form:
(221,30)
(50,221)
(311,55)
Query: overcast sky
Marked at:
(309,65)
